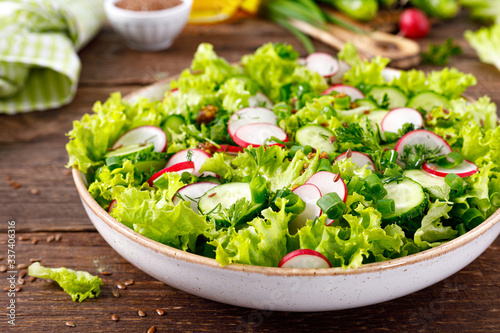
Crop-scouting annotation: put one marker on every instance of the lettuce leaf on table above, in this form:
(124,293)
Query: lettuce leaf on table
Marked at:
(486,42)
(79,285)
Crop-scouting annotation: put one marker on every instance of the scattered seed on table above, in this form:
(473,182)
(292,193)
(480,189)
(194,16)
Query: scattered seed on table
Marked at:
(121,286)
(141,313)
(23,273)
(6,288)
(34,241)
(152,329)
(22,266)
(34,191)
(115,293)
(106,273)
(3,268)
(20,281)
(31,279)
(160,312)
(58,237)
(23,238)
(129,282)
(70,324)
(15,185)
(35,260)
(115,317)
(8,178)
(18,289)
(1,258)
(50,238)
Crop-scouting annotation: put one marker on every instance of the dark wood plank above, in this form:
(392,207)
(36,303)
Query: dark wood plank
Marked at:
(466,302)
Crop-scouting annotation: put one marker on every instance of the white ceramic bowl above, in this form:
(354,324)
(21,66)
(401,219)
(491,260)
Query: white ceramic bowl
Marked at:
(148,30)
(286,289)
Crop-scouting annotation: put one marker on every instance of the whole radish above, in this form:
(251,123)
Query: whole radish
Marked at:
(413,23)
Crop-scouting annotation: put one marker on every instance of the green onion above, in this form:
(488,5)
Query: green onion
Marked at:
(342,103)
(355,185)
(282,110)
(294,205)
(472,218)
(461,229)
(495,199)
(449,161)
(386,206)
(324,165)
(305,149)
(391,173)
(375,186)
(113,162)
(331,205)
(454,181)
(390,156)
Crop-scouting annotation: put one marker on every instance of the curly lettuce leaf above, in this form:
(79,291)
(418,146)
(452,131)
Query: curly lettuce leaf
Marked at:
(486,42)
(432,232)
(79,285)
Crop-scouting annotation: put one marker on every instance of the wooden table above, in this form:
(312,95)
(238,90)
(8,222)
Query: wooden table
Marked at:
(32,153)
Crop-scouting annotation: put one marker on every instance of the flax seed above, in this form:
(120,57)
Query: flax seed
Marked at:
(22,266)
(35,260)
(3,268)
(6,288)
(34,241)
(8,178)
(324,124)
(1,258)
(366,112)
(129,282)
(15,185)
(50,238)
(34,191)
(31,279)
(345,124)
(23,238)
(106,273)
(332,139)
(306,165)
(152,329)
(336,178)
(20,281)
(121,286)
(212,194)
(22,274)
(58,237)
(348,154)
(70,324)
(160,312)
(115,317)
(115,293)
(18,289)
(141,313)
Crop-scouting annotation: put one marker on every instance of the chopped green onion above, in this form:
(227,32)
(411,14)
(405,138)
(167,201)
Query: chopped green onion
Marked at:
(386,206)
(342,103)
(355,185)
(461,229)
(294,205)
(331,205)
(324,165)
(449,161)
(375,186)
(472,218)
(495,199)
(305,149)
(282,110)
(391,172)
(390,156)
(454,181)
(113,162)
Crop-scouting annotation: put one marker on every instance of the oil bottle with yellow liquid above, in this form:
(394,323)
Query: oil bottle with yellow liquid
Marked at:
(214,11)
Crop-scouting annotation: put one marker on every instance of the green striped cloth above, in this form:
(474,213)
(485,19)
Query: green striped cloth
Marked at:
(39,66)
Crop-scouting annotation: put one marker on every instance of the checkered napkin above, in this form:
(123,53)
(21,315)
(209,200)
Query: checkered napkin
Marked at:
(39,66)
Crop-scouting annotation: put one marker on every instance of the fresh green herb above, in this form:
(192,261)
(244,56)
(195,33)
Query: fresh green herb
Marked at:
(354,133)
(439,54)
(415,155)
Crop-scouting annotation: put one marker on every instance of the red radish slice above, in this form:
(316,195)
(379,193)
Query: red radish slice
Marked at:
(396,118)
(323,64)
(186,166)
(324,180)
(250,116)
(359,158)
(304,258)
(355,93)
(198,157)
(344,67)
(260,100)
(389,74)
(194,192)
(425,137)
(464,169)
(142,135)
(230,149)
(112,206)
(256,134)
(310,194)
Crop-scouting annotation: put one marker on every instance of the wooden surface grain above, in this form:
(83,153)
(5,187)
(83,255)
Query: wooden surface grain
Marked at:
(32,154)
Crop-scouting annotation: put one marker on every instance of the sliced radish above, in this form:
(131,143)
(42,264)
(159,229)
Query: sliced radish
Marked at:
(310,194)
(193,192)
(344,67)
(389,74)
(112,206)
(250,115)
(260,100)
(396,118)
(464,169)
(304,258)
(186,166)
(353,92)
(256,134)
(198,157)
(142,135)
(229,149)
(323,64)
(359,158)
(425,137)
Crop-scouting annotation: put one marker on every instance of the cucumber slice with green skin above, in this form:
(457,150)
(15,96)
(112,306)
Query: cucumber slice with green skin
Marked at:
(367,103)
(192,193)
(410,203)
(130,149)
(224,196)
(174,123)
(434,185)
(317,137)
(396,97)
(427,101)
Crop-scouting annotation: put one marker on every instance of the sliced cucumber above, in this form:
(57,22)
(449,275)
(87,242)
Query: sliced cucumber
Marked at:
(427,101)
(410,202)
(174,123)
(396,97)
(317,137)
(224,196)
(130,149)
(371,105)
(434,185)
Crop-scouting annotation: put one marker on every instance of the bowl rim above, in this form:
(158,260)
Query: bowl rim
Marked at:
(112,9)
(263,270)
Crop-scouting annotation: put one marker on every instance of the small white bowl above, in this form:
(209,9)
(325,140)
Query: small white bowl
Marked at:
(148,30)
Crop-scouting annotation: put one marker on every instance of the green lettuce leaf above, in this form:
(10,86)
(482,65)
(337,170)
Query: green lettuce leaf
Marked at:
(486,42)
(78,284)
(432,232)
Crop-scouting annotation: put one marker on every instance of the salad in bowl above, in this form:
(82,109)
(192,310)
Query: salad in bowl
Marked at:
(295,163)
